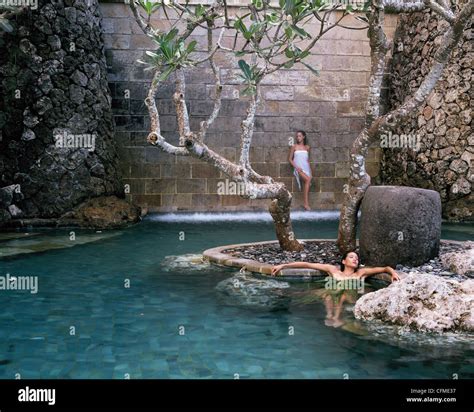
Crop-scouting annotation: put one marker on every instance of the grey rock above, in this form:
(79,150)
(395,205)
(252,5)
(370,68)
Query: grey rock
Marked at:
(458,166)
(15,211)
(28,135)
(54,42)
(71,14)
(29,120)
(399,225)
(76,93)
(422,302)
(460,187)
(79,78)
(460,262)
(45,83)
(43,105)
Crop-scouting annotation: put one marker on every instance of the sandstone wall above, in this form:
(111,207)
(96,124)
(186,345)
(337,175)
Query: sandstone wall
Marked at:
(328,107)
(445,159)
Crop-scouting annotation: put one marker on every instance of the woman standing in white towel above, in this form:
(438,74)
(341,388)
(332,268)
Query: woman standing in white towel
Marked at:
(299,159)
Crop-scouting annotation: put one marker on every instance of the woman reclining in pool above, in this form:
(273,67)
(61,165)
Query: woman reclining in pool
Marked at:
(349,268)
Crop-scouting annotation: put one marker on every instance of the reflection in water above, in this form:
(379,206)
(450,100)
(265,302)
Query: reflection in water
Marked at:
(339,308)
(338,302)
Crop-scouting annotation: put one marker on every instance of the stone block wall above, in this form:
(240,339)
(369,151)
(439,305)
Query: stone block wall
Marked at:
(329,107)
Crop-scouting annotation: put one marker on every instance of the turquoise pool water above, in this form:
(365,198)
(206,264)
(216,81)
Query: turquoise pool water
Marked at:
(137,332)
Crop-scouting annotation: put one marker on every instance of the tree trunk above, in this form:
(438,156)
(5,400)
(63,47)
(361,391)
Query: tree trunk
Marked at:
(280,211)
(359,180)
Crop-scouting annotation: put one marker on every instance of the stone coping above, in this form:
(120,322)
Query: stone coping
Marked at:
(57,223)
(215,255)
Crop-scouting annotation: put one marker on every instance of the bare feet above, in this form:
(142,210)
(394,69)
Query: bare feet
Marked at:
(306,207)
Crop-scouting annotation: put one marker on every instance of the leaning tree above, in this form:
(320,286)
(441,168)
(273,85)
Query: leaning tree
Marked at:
(268,37)
(457,17)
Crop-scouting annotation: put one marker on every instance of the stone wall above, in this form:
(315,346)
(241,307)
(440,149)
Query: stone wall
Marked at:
(445,159)
(53,83)
(328,107)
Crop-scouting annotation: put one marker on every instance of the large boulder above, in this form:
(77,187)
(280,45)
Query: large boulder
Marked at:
(243,289)
(108,212)
(399,225)
(422,302)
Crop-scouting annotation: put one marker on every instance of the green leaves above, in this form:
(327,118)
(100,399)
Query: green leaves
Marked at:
(251,76)
(245,69)
(249,32)
(300,32)
(165,74)
(170,54)
(200,10)
(293,51)
(295,8)
(272,19)
(149,6)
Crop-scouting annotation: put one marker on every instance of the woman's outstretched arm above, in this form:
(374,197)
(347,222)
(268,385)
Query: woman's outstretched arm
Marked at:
(305,265)
(366,272)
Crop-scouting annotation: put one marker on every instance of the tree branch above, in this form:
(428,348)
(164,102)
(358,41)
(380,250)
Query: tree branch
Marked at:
(180,103)
(402,6)
(151,104)
(146,28)
(247,126)
(379,47)
(218,86)
(444,12)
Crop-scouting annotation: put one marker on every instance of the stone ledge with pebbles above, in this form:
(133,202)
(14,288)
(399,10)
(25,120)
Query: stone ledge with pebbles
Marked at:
(260,257)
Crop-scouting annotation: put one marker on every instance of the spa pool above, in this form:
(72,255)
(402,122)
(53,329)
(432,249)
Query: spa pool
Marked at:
(109,308)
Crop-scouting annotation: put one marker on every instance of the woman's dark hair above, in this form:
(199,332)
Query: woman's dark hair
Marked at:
(344,258)
(305,140)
